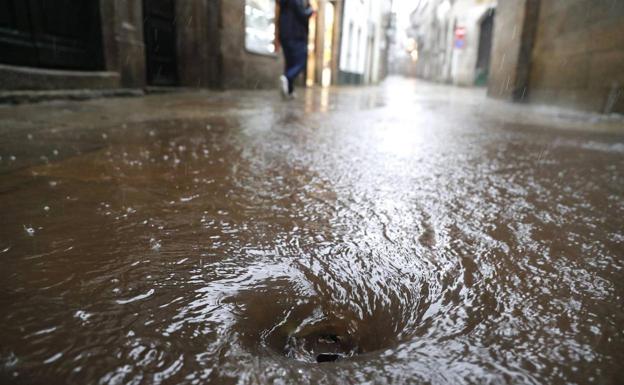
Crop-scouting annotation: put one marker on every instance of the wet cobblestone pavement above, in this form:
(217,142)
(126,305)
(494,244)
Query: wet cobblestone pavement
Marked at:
(407,233)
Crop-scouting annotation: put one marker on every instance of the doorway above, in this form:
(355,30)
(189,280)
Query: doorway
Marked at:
(59,34)
(160,42)
(320,45)
(485,48)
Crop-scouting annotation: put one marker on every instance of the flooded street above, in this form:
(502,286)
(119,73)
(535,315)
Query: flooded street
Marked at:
(400,234)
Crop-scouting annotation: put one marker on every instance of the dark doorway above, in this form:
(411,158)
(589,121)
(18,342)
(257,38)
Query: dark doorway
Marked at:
(160,41)
(63,34)
(485,48)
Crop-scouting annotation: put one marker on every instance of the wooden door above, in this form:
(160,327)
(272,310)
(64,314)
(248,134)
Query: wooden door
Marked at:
(485,48)
(62,34)
(160,42)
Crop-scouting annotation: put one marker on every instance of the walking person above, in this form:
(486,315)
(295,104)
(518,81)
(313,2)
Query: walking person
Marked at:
(293,38)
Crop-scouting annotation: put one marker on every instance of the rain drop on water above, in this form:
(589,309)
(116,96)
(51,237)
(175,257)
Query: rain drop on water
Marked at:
(82,315)
(155,244)
(29,230)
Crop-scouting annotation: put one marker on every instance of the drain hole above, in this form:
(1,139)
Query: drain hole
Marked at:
(328,357)
(320,346)
(329,339)
(309,336)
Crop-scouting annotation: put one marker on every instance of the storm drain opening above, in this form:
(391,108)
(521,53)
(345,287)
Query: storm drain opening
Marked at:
(310,335)
(328,357)
(320,347)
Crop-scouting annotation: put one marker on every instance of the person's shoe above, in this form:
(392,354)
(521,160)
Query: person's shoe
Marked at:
(284,86)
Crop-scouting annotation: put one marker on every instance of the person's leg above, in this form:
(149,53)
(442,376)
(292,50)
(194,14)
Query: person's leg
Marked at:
(296,62)
(288,56)
(287,49)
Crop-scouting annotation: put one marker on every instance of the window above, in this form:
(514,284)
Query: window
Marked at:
(260,26)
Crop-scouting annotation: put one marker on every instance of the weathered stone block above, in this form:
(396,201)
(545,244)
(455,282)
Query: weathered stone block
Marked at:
(577,58)
(606,10)
(570,71)
(514,30)
(122,34)
(550,8)
(607,35)
(606,69)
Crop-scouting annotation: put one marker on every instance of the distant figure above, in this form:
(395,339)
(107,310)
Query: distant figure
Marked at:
(293,37)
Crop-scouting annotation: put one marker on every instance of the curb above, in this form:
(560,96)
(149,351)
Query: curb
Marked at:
(22,97)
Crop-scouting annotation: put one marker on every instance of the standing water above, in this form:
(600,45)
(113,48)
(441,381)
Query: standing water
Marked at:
(383,236)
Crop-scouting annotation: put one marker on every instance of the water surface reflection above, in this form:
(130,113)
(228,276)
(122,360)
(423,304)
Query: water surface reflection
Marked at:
(415,245)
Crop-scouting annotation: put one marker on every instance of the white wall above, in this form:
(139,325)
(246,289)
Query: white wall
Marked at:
(362,21)
(354,19)
(468,14)
(376,17)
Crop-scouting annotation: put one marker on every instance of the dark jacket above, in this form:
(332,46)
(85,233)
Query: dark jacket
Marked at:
(293,19)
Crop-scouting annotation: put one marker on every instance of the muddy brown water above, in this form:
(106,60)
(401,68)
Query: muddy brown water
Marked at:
(402,244)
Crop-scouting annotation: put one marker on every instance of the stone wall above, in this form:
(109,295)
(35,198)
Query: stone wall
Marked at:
(514,31)
(123,43)
(578,55)
(563,52)
(211,48)
(241,68)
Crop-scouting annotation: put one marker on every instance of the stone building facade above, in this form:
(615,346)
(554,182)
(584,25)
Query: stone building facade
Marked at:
(450,40)
(348,42)
(324,42)
(439,54)
(363,44)
(136,43)
(564,52)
